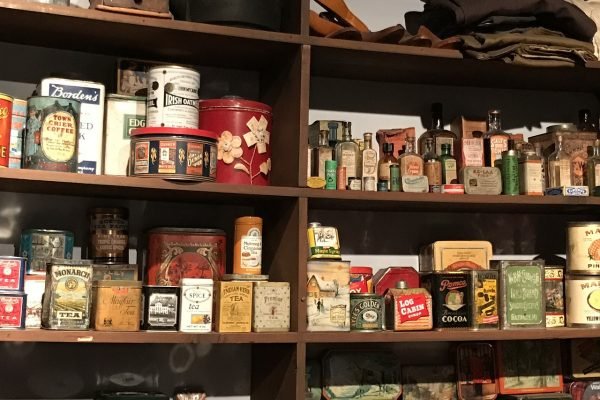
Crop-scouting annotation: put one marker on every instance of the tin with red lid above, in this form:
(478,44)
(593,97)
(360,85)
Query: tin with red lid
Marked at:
(174,153)
(243,130)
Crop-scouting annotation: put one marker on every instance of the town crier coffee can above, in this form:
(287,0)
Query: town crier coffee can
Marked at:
(6,103)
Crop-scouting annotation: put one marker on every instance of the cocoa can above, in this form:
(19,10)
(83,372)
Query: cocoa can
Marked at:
(109,234)
(366,312)
(583,248)
(452,299)
(6,105)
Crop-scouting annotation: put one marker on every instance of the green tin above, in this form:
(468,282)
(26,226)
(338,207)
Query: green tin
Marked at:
(395,178)
(366,312)
(510,171)
(330,174)
(522,294)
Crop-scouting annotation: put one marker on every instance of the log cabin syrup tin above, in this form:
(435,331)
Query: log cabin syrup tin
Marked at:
(583,300)
(408,309)
(117,305)
(6,105)
(583,248)
(161,305)
(12,310)
(271,311)
(196,305)
(40,246)
(12,273)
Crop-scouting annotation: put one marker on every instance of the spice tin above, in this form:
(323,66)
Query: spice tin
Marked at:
(583,248)
(40,246)
(117,305)
(554,293)
(485,299)
(429,382)
(452,256)
(173,153)
(115,272)
(12,273)
(67,296)
(476,370)
(408,309)
(366,312)
(161,308)
(387,278)
(585,390)
(583,301)
(452,297)
(522,298)
(244,131)
(247,250)
(361,280)
(173,97)
(123,114)
(328,296)
(233,306)
(323,242)
(109,234)
(271,307)
(176,253)
(196,305)
(6,105)
(34,289)
(12,310)
(52,134)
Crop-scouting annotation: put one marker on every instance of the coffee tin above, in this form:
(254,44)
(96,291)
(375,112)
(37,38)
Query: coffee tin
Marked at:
(271,311)
(174,153)
(233,306)
(6,105)
(585,390)
(172,97)
(366,312)
(177,253)
(117,305)
(485,299)
(522,294)
(12,310)
(109,234)
(115,272)
(34,289)
(196,305)
(452,299)
(161,305)
(476,370)
(40,246)
(51,134)
(554,293)
(583,248)
(583,301)
(12,273)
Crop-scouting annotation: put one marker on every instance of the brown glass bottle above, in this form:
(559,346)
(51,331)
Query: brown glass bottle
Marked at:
(437,133)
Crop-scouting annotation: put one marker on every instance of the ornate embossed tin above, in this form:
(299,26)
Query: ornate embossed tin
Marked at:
(554,293)
(233,306)
(109,234)
(117,305)
(40,246)
(196,305)
(452,299)
(12,273)
(522,294)
(271,307)
(476,370)
(485,299)
(583,248)
(161,305)
(366,312)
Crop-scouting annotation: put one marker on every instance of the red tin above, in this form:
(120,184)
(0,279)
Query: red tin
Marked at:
(386,279)
(585,390)
(12,310)
(12,273)
(177,253)
(6,103)
(361,280)
(244,129)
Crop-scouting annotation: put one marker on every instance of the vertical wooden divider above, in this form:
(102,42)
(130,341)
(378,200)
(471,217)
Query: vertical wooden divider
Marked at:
(301,312)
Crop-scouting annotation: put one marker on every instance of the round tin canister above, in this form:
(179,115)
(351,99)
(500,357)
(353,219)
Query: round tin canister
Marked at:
(583,300)
(244,135)
(117,305)
(172,97)
(583,247)
(247,248)
(109,234)
(40,246)
(6,105)
(177,253)
(366,312)
(174,153)
(51,134)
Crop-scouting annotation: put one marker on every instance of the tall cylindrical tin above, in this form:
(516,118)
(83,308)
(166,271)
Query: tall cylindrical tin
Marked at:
(51,134)
(172,97)
(583,301)
(331,175)
(583,248)
(244,135)
(247,252)
(6,103)
(109,234)
(40,246)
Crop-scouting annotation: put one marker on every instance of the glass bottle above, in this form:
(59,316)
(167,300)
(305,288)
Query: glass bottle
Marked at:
(347,154)
(586,124)
(320,154)
(369,164)
(383,173)
(411,163)
(432,167)
(437,132)
(559,166)
(531,178)
(449,173)
(495,140)
(593,169)
(539,152)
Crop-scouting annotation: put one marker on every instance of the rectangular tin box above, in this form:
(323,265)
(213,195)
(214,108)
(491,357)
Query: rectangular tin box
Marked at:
(522,294)
(328,296)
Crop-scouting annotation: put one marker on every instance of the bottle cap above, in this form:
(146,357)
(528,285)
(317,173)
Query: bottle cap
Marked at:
(401,285)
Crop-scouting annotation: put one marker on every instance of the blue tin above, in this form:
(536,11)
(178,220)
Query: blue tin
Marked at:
(12,273)
(40,246)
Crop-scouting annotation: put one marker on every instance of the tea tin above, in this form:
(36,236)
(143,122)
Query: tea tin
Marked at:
(485,299)
(12,310)
(583,300)
(328,295)
(271,311)
(476,370)
(115,272)
(12,273)
(583,248)
(6,106)
(452,299)
(161,308)
(40,246)
(429,382)
(366,312)
(34,289)
(196,305)
(585,390)
(323,242)
(584,358)
(245,278)
(361,280)
(387,278)
(109,234)
(117,305)
(554,293)
(233,306)
(522,294)
(68,295)
(408,309)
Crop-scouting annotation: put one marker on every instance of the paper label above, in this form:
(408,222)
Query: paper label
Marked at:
(411,307)
(349,161)
(59,136)
(531,177)
(472,151)
(251,250)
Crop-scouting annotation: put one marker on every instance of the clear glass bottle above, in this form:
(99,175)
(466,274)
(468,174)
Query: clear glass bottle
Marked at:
(369,164)
(320,154)
(411,164)
(531,178)
(437,132)
(383,173)
(540,153)
(495,140)
(559,165)
(347,155)
(586,124)
(432,167)
(593,169)
(449,171)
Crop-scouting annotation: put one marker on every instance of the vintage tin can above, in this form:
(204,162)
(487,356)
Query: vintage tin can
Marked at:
(34,289)
(485,299)
(366,312)
(174,153)
(244,278)
(176,253)
(583,301)
(554,293)
(340,177)
(428,382)
(196,305)
(6,105)
(323,242)
(522,298)
(123,114)
(233,306)
(161,305)
(585,390)
(109,234)
(12,310)
(172,97)
(271,307)
(115,272)
(549,396)
(247,248)
(68,295)
(452,297)
(40,246)
(328,295)
(361,280)
(476,370)
(330,174)
(583,248)
(387,278)
(244,131)
(17,132)
(12,273)
(453,256)
(52,134)
(584,359)
(408,309)
(117,305)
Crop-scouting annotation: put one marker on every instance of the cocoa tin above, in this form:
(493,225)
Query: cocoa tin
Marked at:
(109,234)
(452,256)
(583,248)
(6,105)
(243,129)
(233,306)
(485,299)
(52,134)
(387,278)
(585,358)
(476,370)
(115,272)
(452,299)
(172,97)
(585,390)
(173,153)
(12,310)
(522,294)
(361,280)
(366,312)
(271,309)
(117,305)
(34,289)
(68,295)
(12,273)
(328,295)
(429,382)
(554,293)
(40,246)
(408,309)
(196,305)
(583,300)
(161,305)
(176,253)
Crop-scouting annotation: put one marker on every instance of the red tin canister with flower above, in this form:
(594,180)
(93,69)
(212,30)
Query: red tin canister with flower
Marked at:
(243,130)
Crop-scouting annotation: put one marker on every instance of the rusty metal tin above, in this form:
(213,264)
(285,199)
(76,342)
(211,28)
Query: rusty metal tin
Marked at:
(12,273)
(161,305)
(6,105)
(452,299)
(583,300)
(485,299)
(40,246)
(583,248)
(109,234)
(366,312)
(476,370)
(117,305)
(554,293)
(585,390)
(12,310)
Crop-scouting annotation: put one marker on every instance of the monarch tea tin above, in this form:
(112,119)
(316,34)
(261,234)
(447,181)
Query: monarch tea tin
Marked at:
(583,301)
(12,273)
(522,294)
(554,293)
(6,105)
(12,310)
(271,307)
(117,305)
(233,306)
(196,305)
(366,312)
(583,248)
(40,246)
(161,308)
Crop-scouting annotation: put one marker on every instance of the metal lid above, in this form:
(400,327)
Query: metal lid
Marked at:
(401,285)
(245,278)
(561,128)
(5,96)
(112,283)
(195,282)
(170,66)
(195,231)
(12,258)
(234,104)
(109,210)
(584,223)
(361,270)
(12,293)
(199,133)
(114,265)
(49,231)
(248,220)
(114,96)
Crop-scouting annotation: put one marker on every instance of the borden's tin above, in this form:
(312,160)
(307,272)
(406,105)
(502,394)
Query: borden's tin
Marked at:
(583,301)
(39,246)
(174,153)
(6,103)
(366,312)
(52,134)
(583,248)
(172,97)
(12,273)
(12,310)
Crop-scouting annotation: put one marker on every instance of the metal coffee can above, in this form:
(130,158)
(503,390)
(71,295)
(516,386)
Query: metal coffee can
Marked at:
(366,312)
(6,104)
(109,234)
